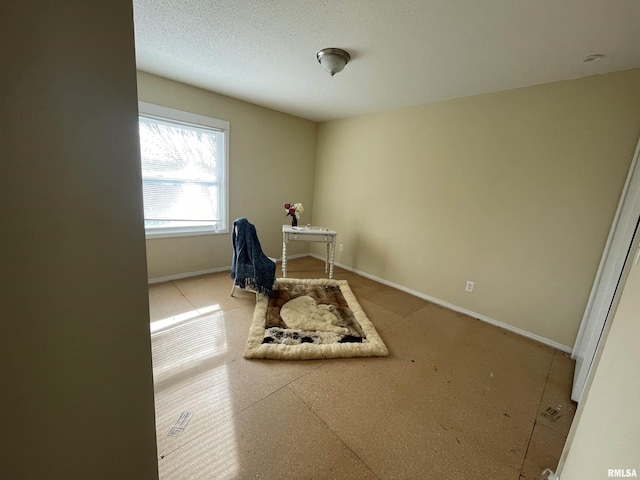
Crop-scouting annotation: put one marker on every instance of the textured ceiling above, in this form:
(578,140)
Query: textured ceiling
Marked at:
(402,52)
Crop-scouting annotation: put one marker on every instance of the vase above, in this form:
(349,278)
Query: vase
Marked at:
(294,221)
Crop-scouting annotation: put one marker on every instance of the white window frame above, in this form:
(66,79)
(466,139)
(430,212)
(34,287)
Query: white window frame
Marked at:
(187,118)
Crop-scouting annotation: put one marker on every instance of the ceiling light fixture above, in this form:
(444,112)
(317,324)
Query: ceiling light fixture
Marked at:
(333,60)
(593,58)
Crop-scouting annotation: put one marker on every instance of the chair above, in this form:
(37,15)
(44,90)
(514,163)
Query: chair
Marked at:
(251,269)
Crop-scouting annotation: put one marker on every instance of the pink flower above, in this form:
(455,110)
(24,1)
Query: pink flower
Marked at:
(293,209)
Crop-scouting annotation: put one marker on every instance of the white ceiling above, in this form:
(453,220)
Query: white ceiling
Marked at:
(403,53)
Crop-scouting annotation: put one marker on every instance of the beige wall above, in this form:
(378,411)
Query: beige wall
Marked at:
(605,433)
(271,161)
(514,191)
(75,355)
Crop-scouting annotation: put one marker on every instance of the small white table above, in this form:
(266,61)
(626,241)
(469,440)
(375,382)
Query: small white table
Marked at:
(309,234)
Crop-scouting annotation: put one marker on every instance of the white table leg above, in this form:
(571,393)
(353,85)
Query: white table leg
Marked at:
(333,254)
(326,261)
(284,258)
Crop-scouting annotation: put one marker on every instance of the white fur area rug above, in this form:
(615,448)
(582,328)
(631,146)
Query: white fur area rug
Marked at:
(311,319)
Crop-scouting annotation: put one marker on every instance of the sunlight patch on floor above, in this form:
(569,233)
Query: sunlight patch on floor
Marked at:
(214,457)
(174,320)
(193,394)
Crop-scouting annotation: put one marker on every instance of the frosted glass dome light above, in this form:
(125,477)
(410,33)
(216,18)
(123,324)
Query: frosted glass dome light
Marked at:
(333,60)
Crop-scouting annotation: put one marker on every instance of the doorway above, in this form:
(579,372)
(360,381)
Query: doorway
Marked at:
(608,277)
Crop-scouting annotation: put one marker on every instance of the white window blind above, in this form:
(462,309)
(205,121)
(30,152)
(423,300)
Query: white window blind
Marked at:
(183,174)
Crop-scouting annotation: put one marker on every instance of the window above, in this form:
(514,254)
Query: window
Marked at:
(184,172)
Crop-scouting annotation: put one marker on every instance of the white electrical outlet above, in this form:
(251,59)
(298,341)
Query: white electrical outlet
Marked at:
(341,247)
(470,285)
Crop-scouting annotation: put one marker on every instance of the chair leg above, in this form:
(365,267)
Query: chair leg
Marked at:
(233,288)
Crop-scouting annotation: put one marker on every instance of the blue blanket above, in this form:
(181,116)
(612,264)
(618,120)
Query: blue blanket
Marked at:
(250,267)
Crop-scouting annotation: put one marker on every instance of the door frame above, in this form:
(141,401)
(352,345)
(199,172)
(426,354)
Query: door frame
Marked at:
(607,277)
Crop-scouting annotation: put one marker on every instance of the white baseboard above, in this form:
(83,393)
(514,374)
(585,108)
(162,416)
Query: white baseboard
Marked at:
(180,276)
(437,301)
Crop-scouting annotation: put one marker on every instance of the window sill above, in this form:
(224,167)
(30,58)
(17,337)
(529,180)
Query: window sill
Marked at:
(182,233)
